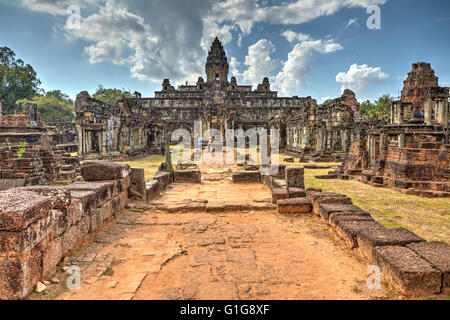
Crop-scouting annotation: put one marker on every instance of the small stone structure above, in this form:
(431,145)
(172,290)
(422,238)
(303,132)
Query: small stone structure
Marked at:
(40,225)
(30,153)
(411,154)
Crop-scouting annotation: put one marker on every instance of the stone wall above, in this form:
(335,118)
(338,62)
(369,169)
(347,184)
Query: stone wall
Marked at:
(411,266)
(41,225)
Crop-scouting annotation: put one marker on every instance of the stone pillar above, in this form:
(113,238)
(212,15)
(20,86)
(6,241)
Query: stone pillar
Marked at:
(442,112)
(392,113)
(167,137)
(382,145)
(401,140)
(371,141)
(428,110)
(400,113)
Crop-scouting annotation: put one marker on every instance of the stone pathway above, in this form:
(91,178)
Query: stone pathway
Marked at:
(234,255)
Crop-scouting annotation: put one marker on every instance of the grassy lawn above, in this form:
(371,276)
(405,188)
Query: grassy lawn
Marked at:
(149,163)
(428,218)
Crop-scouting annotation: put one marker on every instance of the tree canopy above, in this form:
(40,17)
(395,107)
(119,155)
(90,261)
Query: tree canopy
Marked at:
(52,106)
(379,110)
(110,96)
(17,80)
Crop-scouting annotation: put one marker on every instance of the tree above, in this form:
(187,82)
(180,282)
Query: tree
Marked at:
(53,106)
(17,80)
(379,110)
(110,96)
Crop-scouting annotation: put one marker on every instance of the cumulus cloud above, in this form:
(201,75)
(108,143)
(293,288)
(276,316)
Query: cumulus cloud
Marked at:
(245,13)
(292,36)
(361,77)
(234,68)
(170,39)
(258,61)
(292,78)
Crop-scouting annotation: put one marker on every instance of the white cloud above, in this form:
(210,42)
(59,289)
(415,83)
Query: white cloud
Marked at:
(323,99)
(353,21)
(56,7)
(169,39)
(361,77)
(292,78)
(245,13)
(292,36)
(259,62)
(234,69)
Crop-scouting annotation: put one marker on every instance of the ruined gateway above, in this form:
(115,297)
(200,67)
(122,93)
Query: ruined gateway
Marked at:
(135,126)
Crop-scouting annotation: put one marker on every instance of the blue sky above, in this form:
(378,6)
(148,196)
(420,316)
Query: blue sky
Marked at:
(306,47)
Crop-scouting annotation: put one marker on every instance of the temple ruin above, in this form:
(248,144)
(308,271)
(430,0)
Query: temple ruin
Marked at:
(411,153)
(34,153)
(133,126)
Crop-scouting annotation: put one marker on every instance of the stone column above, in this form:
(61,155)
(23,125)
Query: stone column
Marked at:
(392,113)
(400,113)
(401,140)
(442,112)
(372,152)
(428,110)
(382,145)
(167,137)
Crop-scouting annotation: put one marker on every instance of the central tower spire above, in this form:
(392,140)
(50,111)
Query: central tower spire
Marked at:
(217,64)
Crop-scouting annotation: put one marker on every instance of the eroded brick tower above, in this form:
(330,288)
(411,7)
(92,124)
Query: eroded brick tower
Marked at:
(217,64)
(419,79)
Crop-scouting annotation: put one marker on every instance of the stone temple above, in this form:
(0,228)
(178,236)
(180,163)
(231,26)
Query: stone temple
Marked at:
(134,126)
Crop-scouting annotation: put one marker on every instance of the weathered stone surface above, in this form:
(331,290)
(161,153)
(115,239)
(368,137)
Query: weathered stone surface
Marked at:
(295,178)
(19,274)
(246,177)
(20,209)
(297,205)
(104,170)
(164,178)
(297,193)
(152,189)
(406,272)
(104,189)
(278,194)
(370,238)
(348,230)
(61,197)
(326,176)
(438,255)
(138,188)
(218,291)
(326,209)
(336,217)
(69,240)
(87,199)
(52,253)
(188,176)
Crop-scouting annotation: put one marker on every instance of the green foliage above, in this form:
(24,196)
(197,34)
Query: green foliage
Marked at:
(17,80)
(110,96)
(22,150)
(379,110)
(53,106)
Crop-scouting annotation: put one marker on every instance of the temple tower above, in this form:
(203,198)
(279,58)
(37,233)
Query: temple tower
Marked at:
(419,80)
(217,64)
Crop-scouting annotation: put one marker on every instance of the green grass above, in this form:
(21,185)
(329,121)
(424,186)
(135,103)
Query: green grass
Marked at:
(427,217)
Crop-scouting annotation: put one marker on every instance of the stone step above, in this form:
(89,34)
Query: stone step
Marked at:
(294,206)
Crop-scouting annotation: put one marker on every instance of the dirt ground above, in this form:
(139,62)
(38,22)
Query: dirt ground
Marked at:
(150,254)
